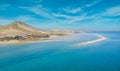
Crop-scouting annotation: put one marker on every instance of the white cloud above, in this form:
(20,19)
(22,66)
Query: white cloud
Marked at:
(114,11)
(71,19)
(93,3)
(45,12)
(72,10)
(24,18)
(62,15)
(39,10)
(95,19)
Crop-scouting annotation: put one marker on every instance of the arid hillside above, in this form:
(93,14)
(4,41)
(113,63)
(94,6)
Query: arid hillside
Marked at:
(21,30)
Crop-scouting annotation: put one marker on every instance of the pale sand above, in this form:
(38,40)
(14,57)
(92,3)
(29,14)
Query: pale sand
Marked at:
(9,42)
(101,38)
(49,39)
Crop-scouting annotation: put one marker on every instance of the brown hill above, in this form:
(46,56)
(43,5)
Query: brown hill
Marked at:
(20,29)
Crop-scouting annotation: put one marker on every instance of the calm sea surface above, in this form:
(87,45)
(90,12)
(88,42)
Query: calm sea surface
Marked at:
(63,55)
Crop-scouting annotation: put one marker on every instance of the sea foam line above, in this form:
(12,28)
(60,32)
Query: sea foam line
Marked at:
(101,38)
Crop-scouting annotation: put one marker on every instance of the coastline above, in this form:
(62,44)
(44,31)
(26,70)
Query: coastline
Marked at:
(100,38)
(48,39)
(19,32)
(9,42)
(25,41)
(52,39)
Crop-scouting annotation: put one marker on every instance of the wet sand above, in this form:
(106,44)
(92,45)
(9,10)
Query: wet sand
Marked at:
(100,38)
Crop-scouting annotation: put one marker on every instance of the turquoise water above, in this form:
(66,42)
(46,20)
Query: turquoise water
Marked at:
(63,55)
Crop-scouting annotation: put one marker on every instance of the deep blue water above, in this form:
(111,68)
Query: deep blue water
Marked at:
(63,55)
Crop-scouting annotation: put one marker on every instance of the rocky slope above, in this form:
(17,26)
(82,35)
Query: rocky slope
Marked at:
(20,31)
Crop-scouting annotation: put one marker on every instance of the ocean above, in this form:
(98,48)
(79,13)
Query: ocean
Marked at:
(63,55)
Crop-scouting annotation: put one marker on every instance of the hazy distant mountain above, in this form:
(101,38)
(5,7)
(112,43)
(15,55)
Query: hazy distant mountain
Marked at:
(60,32)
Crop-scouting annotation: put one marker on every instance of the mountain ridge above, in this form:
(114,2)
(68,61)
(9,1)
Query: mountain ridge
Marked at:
(20,29)
(21,32)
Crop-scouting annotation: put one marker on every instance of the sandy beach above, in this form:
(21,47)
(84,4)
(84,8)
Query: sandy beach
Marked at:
(52,39)
(9,42)
(49,39)
(100,38)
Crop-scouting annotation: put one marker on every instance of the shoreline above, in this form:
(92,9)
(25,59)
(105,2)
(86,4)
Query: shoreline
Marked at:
(49,39)
(52,39)
(100,38)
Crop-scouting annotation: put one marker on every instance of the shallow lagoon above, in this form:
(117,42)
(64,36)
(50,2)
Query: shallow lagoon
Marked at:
(63,55)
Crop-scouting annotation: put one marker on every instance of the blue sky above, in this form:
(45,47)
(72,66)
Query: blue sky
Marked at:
(63,14)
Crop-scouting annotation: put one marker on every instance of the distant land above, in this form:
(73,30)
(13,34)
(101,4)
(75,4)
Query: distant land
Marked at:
(105,31)
(21,32)
(98,31)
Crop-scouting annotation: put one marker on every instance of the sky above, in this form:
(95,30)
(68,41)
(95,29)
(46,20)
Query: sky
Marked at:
(63,14)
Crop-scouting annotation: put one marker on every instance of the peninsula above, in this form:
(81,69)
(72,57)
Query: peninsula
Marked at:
(20,32)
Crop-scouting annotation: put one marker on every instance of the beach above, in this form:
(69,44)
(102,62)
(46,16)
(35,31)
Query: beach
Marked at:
(100,38)
(54,38)
(49,39)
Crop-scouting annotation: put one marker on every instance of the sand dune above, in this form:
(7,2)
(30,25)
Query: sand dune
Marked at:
(101,38)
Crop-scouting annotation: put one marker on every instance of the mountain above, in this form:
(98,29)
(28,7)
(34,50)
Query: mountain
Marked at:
(21,30)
